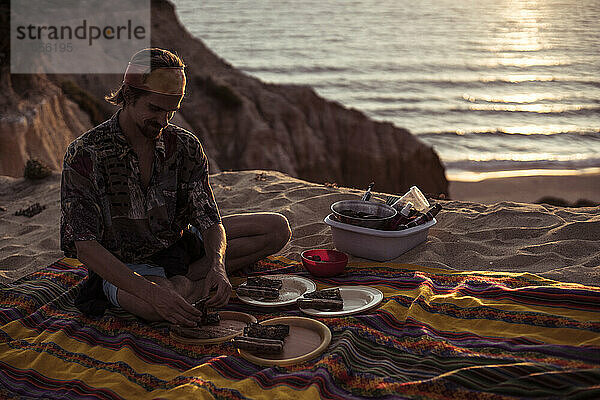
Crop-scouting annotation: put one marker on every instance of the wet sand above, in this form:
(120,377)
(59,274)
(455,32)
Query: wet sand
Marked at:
(528,189)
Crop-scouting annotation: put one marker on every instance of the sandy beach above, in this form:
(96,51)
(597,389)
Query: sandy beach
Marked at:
(295,108)
(529,189)
(503,235)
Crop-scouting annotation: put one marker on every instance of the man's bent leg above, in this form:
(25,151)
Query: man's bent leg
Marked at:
(252,237)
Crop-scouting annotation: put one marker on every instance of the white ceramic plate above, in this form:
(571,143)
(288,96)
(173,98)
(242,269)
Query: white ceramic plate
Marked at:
(357,299)
(294,286)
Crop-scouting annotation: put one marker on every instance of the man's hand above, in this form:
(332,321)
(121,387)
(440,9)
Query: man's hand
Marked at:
(217,279)
(172,307)
(215,243)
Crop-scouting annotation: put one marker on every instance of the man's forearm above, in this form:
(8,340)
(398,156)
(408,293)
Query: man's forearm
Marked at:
(165,302)
(105,264)
(215,244)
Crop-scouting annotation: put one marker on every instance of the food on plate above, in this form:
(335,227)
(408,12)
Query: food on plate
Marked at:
(325,294)
(203,332)
(314,257)
(277,331)
(321,304)
(208,324)
(258,287)
(211,319)
(327,299)
(258,345)
(207,317)
(262,338)
(257,293)
(259,281)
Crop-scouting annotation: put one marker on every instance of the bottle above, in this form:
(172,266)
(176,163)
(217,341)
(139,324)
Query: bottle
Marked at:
(367,195)
(402,218)
(425,217)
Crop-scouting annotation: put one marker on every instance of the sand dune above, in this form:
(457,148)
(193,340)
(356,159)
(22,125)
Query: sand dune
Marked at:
(27,244)
(554,242)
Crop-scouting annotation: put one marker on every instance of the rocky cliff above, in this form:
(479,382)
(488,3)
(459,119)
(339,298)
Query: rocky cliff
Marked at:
(247,124)
(37,120)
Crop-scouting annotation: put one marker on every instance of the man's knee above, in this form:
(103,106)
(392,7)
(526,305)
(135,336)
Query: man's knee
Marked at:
(280,230)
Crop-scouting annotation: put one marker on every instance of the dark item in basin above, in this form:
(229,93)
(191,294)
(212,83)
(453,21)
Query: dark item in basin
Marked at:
(357,214)
(363,213)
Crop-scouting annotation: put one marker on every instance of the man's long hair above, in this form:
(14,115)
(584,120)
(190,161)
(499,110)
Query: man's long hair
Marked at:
(159,58)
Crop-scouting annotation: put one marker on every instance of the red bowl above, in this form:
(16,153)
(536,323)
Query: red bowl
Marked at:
(332,262)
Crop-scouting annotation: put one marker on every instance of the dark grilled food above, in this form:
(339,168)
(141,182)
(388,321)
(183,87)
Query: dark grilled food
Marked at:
(210,319)
(257,345)
(255,292)
(327,299)
(259,338)
(204,332)
(201,305)
(258,287)
(277,331)
(332,294)
(259,281)
(321,304)
(207,318)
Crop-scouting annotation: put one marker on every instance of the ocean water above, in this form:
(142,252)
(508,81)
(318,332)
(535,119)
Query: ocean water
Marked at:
(497,87)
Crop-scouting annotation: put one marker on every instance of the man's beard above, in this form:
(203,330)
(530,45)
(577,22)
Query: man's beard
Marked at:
(151,129)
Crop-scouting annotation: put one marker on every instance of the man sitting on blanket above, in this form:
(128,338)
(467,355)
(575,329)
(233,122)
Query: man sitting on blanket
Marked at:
(137,208)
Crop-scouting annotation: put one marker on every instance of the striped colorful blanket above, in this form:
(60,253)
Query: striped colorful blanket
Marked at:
(437,334)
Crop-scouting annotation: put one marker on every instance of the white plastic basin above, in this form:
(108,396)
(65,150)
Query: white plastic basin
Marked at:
(374,244)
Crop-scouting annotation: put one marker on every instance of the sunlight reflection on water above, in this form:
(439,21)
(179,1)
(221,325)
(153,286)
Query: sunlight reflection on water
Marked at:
(487,82)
